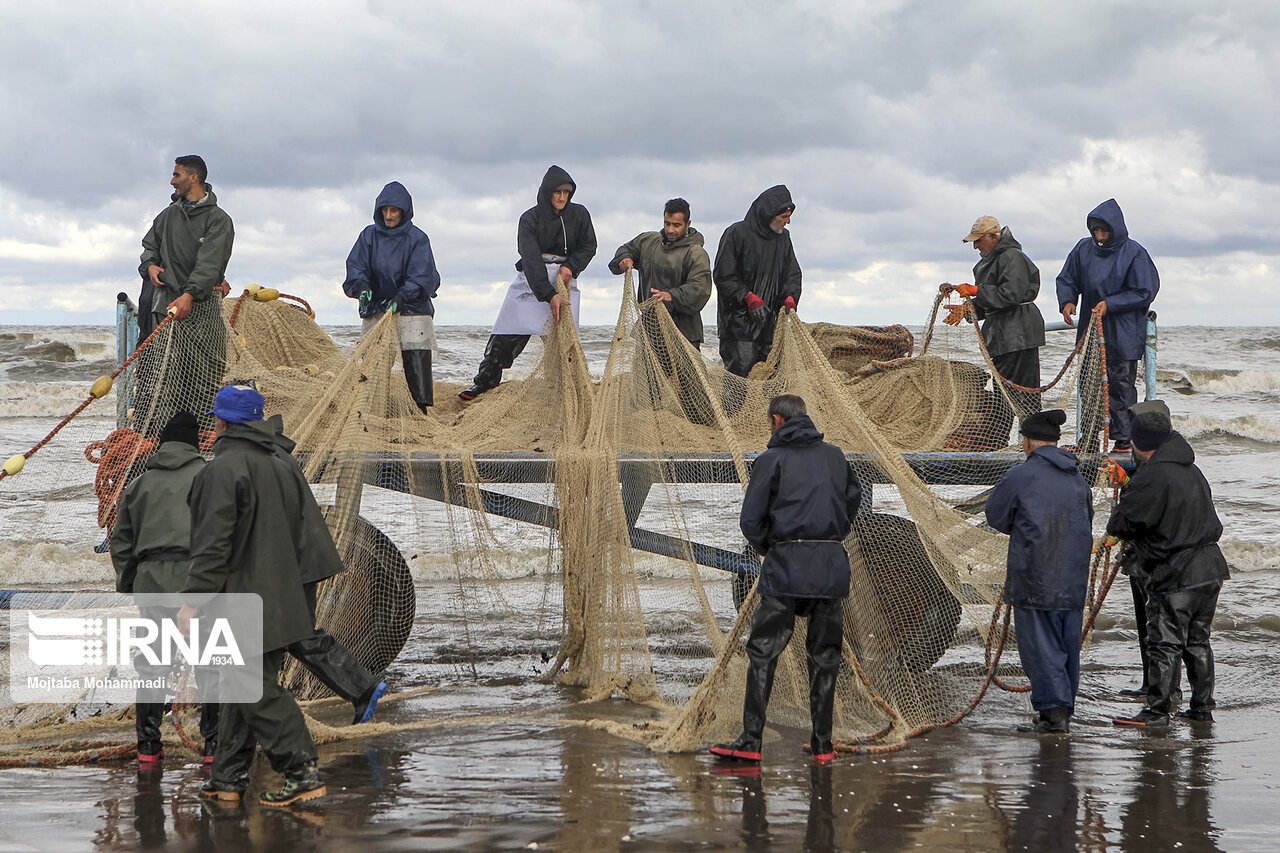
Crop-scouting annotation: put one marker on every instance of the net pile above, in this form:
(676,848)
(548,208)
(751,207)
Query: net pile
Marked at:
(584,530)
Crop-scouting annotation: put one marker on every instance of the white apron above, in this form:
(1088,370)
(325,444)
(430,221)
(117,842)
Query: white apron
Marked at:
(523,314)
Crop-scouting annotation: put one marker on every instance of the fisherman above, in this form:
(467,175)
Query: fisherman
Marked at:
(797,510)
(149,550)
(756,276)
(1046,507)
(1166,516)
(1004,290)
(391,269)
(674,268)
(556,241)
(184,260)
(1110,275)
(249,515)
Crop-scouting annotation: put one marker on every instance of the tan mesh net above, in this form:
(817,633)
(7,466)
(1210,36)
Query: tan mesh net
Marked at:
(585,529)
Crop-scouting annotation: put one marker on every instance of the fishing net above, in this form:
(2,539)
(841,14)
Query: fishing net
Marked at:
(582,529)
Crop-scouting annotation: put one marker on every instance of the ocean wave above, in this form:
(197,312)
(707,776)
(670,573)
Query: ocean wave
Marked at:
(1245,555)
(1221,381)
(1254,427)
(49,399)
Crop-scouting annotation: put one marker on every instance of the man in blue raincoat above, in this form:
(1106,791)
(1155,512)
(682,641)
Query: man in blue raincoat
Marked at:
(1111,275)
(1046,507)
(391,268)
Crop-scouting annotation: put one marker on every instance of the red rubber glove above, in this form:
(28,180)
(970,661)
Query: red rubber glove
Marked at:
(754,302)
(955,313)
(970,290)
(789,302)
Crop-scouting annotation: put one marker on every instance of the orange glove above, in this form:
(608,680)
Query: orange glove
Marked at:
(970,290)
(955,313)
(1116,473)
(754,302)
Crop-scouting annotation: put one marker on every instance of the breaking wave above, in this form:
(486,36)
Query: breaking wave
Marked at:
(1254,427)
(1222,381)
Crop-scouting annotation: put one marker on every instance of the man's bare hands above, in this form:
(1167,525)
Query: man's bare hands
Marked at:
(184,619)
(153,273)
(626,265)
(181,306)
(566,274)
(660,295)
(1068,313)
(1100,309)
(556,302)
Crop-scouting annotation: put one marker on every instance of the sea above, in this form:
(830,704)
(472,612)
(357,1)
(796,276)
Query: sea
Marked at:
(548,786)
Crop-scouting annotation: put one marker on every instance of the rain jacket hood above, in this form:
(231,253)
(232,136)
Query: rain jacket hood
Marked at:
(543,230)
(753,258)
(394,264)
(767,205)
(1120,273)
(152,534)
(796,432)
(393,195)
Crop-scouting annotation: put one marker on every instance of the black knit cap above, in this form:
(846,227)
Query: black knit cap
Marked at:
(181,427)
(1151,425)
(1044,426)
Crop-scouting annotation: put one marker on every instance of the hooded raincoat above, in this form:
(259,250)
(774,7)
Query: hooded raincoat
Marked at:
(395,264)
(1046,507)
(1120,273)
(249,509)
(1166,515)
(543,230)
(1008,283)
(679,267)
(797,510)
(151,540)
(753,258)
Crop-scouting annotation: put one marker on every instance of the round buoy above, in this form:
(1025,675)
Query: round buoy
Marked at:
(101,387)
(14,464)
(266,294)
(311,370)
(252,287)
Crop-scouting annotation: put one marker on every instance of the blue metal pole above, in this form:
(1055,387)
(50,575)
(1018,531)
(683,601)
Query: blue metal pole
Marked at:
(126,343)
(1149,356)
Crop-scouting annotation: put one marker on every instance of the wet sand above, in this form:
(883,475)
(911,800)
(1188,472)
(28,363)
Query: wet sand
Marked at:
(542,780)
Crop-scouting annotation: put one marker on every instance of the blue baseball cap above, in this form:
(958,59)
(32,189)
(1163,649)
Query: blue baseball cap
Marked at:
(237,404)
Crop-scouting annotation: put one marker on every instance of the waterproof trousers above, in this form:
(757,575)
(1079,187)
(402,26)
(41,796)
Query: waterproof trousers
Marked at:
(1178,626)
(1139,591)
(275,721)
(1021,367)
(499,354)
(1122,392)
(771,630)
(149,711)
(330,661)
(1049,647)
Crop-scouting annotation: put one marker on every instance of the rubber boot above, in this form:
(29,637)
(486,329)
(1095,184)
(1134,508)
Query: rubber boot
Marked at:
(499,354)
(305,783)
(147,724)
(417,374)
(333,665)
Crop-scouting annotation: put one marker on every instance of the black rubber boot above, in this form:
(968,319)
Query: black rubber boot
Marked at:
(305,783)
(745,748)
(417,374)
(499,354)
(147,724)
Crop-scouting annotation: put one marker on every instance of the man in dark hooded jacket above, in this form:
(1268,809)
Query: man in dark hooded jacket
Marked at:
(556,241)
(1111,275)
(391,268)
(250,535)
(1046,507)
(1166,515)
(797,510)
(756,276)
(1004,290)
(184,262)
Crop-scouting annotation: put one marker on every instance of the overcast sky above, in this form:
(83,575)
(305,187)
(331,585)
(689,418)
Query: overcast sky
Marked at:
(894,124)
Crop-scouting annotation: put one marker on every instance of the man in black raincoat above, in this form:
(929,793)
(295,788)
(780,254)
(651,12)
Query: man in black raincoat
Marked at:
(556,241)
(1046,507)
(1166,515)
(797,510)
(756,276)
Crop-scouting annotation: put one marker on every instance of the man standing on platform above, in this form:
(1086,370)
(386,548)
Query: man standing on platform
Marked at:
(798,508)
(1110,275)
(1046,507)
(1004,290)
(756,276)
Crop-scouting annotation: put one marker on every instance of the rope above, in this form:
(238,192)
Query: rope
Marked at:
(80,408)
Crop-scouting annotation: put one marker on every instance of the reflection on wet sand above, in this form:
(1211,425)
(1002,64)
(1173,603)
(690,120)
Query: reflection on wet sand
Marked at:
(1170,796)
